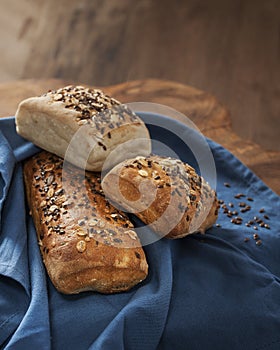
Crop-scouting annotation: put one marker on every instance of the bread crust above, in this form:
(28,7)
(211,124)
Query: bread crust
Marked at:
(86,243)
(164,193)
(84,126)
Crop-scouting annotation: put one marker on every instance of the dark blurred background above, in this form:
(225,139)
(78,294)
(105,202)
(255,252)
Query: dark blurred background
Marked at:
(229,48)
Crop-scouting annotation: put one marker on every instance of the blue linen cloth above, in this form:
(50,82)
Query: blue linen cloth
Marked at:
(210,291)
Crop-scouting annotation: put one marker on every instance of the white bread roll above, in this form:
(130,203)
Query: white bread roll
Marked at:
(84,126)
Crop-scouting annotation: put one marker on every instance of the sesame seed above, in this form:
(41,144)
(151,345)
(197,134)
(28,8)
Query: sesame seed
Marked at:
(81,232)
(58,97)
(50,192)
(131,234)
(143,173)
(43,203)
(93,222)
(53,208)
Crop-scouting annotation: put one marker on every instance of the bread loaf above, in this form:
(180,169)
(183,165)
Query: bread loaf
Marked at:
(84,126)
(85,242)
(164,193)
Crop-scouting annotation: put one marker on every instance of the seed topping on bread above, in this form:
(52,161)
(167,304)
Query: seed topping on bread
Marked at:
(94,107)
(56,202)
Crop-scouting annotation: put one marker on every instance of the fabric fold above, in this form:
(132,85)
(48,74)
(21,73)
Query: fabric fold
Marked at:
(144,317)
(34,327)
(7,163)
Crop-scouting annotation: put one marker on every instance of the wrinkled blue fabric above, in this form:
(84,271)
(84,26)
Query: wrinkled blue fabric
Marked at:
(210,291)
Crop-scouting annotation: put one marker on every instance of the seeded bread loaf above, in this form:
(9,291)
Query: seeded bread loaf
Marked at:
(85,242)
(84,126)
(164,193)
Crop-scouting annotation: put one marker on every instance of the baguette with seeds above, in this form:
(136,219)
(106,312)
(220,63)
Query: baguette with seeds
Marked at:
(86,243)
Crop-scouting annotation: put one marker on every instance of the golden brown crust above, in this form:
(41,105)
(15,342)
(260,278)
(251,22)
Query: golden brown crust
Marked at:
(85,242)
(164,193)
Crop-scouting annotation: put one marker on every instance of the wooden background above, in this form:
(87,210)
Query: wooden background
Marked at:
(229,48)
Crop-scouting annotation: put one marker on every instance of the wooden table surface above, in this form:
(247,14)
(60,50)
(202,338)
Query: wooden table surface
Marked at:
(212,118)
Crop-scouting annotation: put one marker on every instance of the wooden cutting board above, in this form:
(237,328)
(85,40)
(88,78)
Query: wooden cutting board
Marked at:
(205,111)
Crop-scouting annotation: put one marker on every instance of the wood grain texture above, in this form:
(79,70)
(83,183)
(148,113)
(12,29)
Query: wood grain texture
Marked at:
(229,48)
(205,111)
